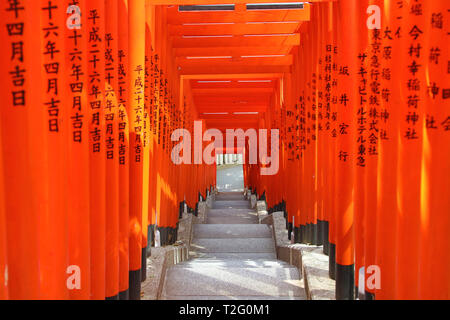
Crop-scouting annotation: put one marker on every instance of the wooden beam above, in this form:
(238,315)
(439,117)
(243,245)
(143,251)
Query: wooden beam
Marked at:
(233,29)
(230,117)
(259,61)
(237,41)
(176,17)
(219,105)
(227,123)
(222,71)
(231,51)
(224,107)
(206,2)
(230,109)
(223,125)
(234,84)
(232,91)
(218,109)
(232,100)
(236,75)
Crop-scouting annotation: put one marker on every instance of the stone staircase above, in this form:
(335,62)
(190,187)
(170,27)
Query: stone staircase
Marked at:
(232,257)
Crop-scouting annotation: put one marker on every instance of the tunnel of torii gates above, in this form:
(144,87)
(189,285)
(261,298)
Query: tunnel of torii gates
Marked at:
(92,90)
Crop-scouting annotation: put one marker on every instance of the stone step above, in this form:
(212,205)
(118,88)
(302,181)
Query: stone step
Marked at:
(232,255)
(233,263)
(236,245)
(221,196)
(272,282)
(231,204)
(232,211)
(232,220)
(226,231)
(231,216)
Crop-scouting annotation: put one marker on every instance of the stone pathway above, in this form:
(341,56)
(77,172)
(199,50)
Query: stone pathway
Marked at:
(230,178)
(233,257)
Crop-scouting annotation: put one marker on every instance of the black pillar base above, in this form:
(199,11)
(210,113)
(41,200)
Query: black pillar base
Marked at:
(314,235)
(144,264)
(296,235)
(135,285)
(151,235)
(308,233)
(196,210)
(124,295)
(289,230)
(332,261)
(345,282)
(302,233)
(175,234)
(369,296)
(169,236)
(326,243)
(263,196)
(149,241)
(320,227)
(163,233)
(180,210)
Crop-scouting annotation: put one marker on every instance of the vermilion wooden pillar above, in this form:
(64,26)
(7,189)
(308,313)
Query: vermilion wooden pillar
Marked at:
(434,281)
(366,120)
(95,12)
(4,294)
(146,153)
(124,149)
(387,204)
(78,147)
(48,154)
(112,149)
(348,103)
(335,132)
(412,115)
(320,164)
(329,122)
(150,96)
(136,73)
(19,94)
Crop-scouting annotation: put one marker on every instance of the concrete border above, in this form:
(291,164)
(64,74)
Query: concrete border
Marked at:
(163,258)
(310,260)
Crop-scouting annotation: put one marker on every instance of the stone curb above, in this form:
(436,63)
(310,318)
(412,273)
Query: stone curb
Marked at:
(163,258)
(310,260)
